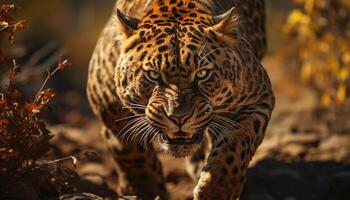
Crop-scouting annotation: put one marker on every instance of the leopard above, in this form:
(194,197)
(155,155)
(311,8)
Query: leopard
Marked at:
(182,77)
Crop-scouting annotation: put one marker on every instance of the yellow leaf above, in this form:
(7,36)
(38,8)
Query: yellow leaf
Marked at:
(309,6)
(306,71)
(343,74)
(298,17)
(341,93)
(333,63)
(326,100)
(346,57)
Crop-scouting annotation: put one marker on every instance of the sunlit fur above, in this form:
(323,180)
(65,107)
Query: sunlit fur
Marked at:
(181,69)
(177,49)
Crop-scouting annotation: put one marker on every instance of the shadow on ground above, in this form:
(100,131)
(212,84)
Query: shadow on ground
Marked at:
(270,179)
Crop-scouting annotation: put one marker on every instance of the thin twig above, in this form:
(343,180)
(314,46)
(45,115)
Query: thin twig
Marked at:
(49,75)
(11,25)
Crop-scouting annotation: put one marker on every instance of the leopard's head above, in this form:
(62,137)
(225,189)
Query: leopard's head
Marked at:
(178,71)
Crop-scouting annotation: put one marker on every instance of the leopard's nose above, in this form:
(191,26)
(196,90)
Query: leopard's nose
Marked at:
(179,119)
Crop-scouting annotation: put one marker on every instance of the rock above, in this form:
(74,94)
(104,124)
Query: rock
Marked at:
(294,150)
(83,196)
(259,197)
(131,198)
(94,168)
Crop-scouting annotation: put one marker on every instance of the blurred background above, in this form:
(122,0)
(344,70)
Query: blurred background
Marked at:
(308,43)
(71,28)
(308,60)
(59,28)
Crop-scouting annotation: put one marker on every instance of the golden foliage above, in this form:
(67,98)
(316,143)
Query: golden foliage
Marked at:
(322,32)
(24,138)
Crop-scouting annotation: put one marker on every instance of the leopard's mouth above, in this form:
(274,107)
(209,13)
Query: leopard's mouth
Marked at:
(195,139)
(181,146)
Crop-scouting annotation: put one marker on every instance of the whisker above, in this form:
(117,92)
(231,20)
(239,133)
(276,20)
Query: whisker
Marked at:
(226,132)
(212,51)
(235,104)
(155,135)
(133,107)
(131,122)
(228,121)
(131,131)
(141,129)
(202,49)
(225,111)
(121,133)
(145,132)
(134,104)
(129,117)
(213,130)
(231,123)
(224,121)
(151,134)
(137,131)
(221,131)
(159,124)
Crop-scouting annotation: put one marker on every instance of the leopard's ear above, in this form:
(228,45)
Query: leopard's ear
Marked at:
(227,23)
(126,24)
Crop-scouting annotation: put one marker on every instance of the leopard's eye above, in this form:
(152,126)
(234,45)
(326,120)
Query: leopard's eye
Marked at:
(154,75)
(202,74)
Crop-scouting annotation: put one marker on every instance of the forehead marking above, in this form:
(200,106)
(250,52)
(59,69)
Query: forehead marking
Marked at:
(176,28)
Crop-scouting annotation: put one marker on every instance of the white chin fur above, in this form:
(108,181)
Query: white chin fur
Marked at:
(180,151)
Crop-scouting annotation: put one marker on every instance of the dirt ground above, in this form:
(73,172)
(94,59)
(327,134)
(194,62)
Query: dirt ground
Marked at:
(304,156)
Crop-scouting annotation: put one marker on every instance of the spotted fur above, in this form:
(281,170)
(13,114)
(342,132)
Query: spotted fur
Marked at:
(183,76)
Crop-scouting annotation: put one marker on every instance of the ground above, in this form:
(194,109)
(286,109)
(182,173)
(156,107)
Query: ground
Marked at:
(304,156)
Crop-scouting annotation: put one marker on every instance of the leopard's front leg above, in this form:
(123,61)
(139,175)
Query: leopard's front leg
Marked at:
(224,175)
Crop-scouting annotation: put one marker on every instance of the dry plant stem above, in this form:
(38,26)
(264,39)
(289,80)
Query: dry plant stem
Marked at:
(74,160)
(49,75)
(13,70)
(14,67)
